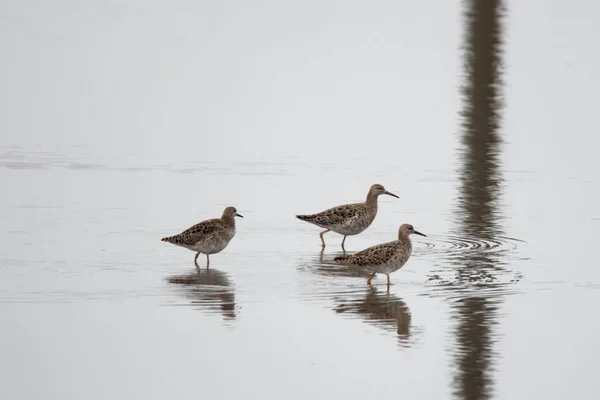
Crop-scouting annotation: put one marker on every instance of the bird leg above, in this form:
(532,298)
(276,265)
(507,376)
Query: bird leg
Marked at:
(343,243)
(388,281)
(196,259)
(207,261)
(321,235)
(370,278)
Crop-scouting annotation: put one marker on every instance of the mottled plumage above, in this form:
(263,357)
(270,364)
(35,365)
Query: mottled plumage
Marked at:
(207,237)
(384,258)
(348,219)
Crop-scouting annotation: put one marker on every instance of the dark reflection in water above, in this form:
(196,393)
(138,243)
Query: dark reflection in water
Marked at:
(210,289)
(327,267)
(383,310)
(353,297)
(480,187)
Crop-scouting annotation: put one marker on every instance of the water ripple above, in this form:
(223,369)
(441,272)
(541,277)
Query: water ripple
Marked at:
(455,244)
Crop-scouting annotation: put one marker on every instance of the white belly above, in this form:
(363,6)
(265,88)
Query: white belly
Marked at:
(353,226)
(392,265)
(212,244)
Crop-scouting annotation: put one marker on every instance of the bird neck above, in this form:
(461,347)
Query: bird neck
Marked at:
(371,200)
(405,243)
(404,237)
(228,219)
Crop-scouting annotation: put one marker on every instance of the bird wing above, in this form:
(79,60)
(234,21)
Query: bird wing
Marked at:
(374,255)
(193,234)
(339,215)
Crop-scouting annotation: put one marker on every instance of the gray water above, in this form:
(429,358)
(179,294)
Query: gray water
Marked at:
(124,122)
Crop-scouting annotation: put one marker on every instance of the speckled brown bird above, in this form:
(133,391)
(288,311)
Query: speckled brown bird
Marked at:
(348,219)
(384,258)
(207,237)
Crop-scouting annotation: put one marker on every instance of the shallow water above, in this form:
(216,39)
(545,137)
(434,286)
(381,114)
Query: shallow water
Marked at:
(151,118)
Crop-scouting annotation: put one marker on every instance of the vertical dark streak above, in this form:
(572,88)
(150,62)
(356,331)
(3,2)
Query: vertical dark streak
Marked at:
(479,192)
(481,118)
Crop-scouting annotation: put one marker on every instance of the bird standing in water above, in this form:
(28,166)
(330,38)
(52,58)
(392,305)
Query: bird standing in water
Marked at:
(207,237)
(383,258)
(348,219)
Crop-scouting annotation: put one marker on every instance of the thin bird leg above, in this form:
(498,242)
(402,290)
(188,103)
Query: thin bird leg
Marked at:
(343,248)
(196,259)
(388,281)
(207,261)
(321,235)
(370,278)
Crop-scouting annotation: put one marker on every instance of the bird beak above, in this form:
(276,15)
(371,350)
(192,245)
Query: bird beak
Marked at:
(239,215)
(419,233)
(391,194)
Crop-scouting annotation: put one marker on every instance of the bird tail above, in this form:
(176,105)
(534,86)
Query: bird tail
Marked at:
(170,239)
(342,259)
(307,218)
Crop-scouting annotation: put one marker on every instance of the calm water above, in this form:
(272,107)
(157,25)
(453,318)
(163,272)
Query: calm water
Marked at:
(124,122)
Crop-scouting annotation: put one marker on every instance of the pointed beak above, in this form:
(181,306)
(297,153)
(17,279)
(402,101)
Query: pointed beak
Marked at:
(239,215)
(391,194)
(419,233)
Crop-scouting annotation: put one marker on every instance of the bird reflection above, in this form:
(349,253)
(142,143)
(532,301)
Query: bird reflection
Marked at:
(210,289)
(381,309)
(327,267)
(373,306)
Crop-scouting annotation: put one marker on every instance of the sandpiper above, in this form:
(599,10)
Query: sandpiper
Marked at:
(384,258)
(348,219)
(207,237)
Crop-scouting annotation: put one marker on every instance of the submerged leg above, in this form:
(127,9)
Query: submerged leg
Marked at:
(196,258)
(370,278)
(343,248)
(207,261)
(321,235)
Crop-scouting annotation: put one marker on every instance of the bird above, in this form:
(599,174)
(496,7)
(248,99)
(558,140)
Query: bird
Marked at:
(348,219)
(383,258)
(207,237)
